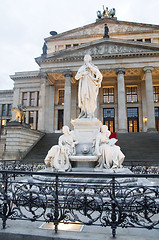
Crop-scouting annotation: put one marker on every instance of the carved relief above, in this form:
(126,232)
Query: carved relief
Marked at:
(113,28)
(107,48)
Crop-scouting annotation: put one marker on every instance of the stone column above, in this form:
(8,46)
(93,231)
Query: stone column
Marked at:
(122,116)
(42,101)
(27,117)
(16,100)
(34,121)
(51,108)
(149,99)
(67,98)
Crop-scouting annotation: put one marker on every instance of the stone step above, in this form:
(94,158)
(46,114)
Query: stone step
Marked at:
(137,147)
(39,151)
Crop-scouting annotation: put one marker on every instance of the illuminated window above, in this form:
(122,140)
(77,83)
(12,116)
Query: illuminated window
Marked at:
(31,119)
(131,94)
(3,123)
(24,99)
(108,95)
(156,93)
(61,97)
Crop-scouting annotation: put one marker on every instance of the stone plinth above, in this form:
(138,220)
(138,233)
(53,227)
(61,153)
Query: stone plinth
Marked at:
(19,140)
(85,131)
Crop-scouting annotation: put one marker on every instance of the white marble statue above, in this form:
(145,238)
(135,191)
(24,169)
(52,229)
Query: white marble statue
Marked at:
(58,155)
(90,80)
(110,155)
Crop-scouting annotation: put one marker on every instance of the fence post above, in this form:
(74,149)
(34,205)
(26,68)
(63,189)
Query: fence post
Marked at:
(113,216)
(56,205)
(5,200)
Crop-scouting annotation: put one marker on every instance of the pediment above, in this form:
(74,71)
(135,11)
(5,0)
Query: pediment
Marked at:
(105,47)
(97,28)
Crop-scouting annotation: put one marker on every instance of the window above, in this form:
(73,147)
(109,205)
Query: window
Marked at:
(156,93)
(32,99)
(61,97)
(131,94)
(31,119)
(108,95)
(148,40)
(133,121)
(68,46)
(3,109)
(3,124)
(9,110)
(38,97)
(24,99)
(139,40)
(75,45)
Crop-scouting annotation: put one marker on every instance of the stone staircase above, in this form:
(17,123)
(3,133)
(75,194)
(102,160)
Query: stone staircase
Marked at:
(39,151)
(137,147)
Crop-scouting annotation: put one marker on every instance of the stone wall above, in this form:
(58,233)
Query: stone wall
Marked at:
(2,145)
(19,140)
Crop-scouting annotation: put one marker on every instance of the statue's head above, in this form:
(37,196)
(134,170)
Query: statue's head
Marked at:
(104,128)
(87,58)
(65,130)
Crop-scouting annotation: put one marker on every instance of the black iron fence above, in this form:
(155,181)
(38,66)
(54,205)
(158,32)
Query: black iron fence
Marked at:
(115,200)
(137,167)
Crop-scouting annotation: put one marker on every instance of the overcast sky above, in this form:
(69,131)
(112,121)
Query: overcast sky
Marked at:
(25,23)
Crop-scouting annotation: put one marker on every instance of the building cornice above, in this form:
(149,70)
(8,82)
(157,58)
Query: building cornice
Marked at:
(118,55)
(23,75)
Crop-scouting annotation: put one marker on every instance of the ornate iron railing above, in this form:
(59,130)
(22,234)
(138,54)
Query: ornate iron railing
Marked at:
(115,200)
(137,167)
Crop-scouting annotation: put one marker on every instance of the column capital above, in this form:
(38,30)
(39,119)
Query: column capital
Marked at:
(120,71)
(43,75)
(148,69)
(67,73)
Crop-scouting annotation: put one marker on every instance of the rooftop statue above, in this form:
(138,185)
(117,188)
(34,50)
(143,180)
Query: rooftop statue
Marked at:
(44,49)
(106,13)
(90,80)
(19,110)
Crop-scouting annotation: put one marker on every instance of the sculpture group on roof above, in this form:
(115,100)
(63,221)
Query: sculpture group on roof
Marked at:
(106,13)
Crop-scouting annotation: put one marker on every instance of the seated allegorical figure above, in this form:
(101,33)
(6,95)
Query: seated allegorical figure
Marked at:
(58,155)
(110,155)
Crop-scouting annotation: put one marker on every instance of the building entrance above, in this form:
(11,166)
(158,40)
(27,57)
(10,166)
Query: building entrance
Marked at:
(133,119)
(157,118)
(60,119)
(108,118)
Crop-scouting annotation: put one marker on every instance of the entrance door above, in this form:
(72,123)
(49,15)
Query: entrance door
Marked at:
(133,119)
(157,118)
(108,118)
(60,119)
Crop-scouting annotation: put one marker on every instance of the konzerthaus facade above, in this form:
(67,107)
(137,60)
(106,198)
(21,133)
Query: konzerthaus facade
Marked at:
(128,100)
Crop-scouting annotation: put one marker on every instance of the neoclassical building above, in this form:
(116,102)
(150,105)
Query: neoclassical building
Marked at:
(128,100)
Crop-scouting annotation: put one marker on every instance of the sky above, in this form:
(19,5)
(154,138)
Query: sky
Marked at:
(25,23)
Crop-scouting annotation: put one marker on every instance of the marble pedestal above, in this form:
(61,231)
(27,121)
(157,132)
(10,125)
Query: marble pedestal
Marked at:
(85,131)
